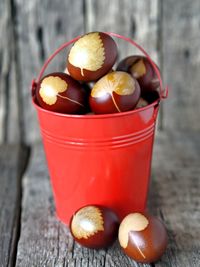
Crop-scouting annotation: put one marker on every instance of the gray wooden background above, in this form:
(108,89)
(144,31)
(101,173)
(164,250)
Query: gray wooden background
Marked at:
(30,31)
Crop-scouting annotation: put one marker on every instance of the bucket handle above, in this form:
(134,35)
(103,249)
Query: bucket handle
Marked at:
(163,92)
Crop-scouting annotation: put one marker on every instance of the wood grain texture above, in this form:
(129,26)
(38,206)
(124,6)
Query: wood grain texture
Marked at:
(12,161)
(135,19)
(32,30)
(44,241)
(181,63)
(9,106)
(174,198)
(4,58)
(42,26)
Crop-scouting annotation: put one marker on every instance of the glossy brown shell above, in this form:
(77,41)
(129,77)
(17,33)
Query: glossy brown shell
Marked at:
(148,245)
(114,102)
(73,100)
(110,55)
(104,223)
(147,79)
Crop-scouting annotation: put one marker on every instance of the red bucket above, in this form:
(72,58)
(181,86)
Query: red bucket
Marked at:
(99,159)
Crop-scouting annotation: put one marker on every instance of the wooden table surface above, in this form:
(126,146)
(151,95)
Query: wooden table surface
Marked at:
(30,234)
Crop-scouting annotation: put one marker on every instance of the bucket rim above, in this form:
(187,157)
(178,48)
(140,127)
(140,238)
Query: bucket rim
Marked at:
(96,116)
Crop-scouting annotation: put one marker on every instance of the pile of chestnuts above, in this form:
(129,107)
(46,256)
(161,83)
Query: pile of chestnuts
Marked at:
(141,236)
(90,85)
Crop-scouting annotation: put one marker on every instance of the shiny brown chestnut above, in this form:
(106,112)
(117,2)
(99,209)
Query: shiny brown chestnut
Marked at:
(142,237)
(115,92)
(94,226)
(92,56)
(142,70)
(59,92)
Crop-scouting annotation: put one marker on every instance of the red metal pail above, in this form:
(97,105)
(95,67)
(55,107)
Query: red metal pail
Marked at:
(99,159)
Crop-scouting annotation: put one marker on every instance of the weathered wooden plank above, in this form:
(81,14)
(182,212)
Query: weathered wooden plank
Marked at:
(3,63)
(181,62)
(9,112)
(175,196)
(134,19)
(42,26)
(12,163)
(44,241)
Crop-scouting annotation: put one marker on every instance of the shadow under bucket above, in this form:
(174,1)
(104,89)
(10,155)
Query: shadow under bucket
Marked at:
(99,159)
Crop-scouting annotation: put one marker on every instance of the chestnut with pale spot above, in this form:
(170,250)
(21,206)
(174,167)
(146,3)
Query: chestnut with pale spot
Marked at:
(59,92)
(141,103)
(142,70)
(142,237)
(92,56)
(115,92)
(94,226)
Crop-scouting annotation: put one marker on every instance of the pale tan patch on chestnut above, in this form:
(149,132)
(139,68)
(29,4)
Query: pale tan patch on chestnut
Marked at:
(156,84)
(88,53)
(155,81)
(117,81)
(132,222)
(87,222)
(138,69)
(50,87)
(141,103)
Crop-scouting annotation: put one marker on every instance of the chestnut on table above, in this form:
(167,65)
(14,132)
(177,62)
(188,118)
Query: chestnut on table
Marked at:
(142,237)
(94,226)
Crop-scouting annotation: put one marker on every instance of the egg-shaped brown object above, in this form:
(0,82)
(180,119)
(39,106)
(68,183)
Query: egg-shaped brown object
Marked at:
(94,226)
(142,70)
(115,92)
(92,56)
(142,237)
(61,93)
